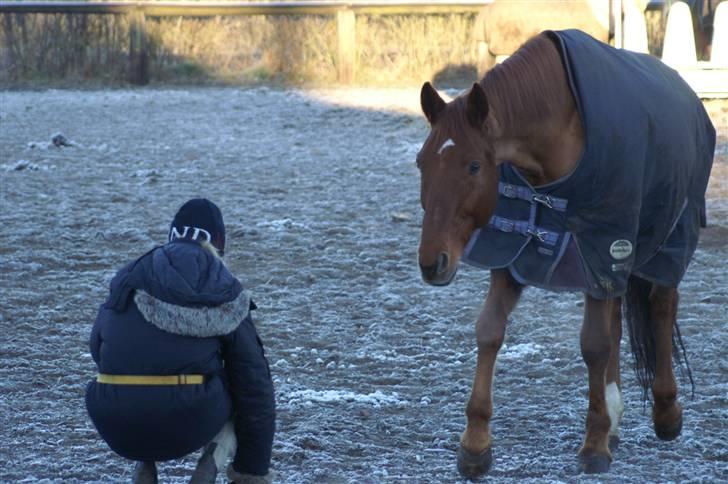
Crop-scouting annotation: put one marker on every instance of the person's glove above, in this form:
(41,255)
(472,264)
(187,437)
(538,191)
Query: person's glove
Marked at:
(239,478)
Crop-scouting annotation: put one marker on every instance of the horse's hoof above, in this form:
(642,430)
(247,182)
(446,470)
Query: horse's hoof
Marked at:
(613,442)
(593,464)
(472,466)
(669,432)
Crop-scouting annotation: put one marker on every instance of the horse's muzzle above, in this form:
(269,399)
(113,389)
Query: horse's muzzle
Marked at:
(437,274)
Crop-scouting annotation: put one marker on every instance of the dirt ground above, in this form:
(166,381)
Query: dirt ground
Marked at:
(320,194)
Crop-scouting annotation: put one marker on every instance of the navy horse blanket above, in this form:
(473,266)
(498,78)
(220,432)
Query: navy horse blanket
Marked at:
(634,203)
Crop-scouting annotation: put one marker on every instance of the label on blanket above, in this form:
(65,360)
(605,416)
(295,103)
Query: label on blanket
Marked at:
(620,249)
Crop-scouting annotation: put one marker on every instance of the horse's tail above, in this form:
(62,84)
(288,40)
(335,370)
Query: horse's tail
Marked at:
(641,327)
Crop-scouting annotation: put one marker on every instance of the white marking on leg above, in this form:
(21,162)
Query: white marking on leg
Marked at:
(448,142)
(615,407)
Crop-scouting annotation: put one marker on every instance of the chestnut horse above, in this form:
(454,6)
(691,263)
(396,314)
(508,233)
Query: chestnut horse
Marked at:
(534,118)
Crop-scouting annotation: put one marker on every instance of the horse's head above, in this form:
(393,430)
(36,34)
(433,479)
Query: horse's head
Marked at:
(459,179)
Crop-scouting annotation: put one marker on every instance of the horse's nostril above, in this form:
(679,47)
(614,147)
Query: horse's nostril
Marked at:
(442,262)
(437,269)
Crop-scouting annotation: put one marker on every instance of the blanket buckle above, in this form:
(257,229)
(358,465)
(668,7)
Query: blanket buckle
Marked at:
(508,191)
(539,234)
(543,199)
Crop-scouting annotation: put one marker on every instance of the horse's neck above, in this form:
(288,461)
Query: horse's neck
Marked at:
(543,157)
(544,149)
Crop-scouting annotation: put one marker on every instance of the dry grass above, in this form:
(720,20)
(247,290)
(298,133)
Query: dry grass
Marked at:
(409,49)
(62,47)
(243,49)
(300,50)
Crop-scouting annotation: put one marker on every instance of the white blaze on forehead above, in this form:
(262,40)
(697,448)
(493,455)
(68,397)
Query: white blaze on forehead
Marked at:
(615,407)
(448,142)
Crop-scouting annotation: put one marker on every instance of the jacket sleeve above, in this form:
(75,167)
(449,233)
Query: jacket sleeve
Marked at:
(251,390)
(95,339)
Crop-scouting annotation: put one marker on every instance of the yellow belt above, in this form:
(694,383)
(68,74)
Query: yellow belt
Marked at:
(150,379)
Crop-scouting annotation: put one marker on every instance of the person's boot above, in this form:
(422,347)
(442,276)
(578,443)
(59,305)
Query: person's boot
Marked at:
(144,473)
(206,470)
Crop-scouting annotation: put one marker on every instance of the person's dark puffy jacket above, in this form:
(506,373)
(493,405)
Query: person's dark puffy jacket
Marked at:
(178,310)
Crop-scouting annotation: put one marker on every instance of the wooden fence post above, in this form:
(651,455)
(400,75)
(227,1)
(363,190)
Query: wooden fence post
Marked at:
(346,33)
(617,17)
(138,61)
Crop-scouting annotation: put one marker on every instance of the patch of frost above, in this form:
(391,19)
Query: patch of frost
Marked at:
(281,224)
(377,398)
(519,350)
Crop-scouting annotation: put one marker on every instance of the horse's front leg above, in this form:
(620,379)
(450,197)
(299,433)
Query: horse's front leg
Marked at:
(475,455)
(596,347)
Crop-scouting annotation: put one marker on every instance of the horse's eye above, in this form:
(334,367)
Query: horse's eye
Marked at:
(474,167)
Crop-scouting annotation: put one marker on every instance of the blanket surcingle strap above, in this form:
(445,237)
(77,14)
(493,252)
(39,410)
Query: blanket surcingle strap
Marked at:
(636,199)
(530,195)
(528,227)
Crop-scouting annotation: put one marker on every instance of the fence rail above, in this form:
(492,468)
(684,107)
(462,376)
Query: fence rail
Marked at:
(204,9)
(345,13)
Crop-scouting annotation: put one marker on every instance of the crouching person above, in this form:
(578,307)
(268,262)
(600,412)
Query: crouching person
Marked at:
(180,364)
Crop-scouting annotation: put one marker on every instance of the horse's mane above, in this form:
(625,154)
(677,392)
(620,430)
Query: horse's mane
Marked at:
(528,86)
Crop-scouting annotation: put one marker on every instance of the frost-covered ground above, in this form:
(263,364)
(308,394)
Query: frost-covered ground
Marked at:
(320,194)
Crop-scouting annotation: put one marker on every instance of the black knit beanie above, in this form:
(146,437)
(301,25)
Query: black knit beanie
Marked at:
(199,219)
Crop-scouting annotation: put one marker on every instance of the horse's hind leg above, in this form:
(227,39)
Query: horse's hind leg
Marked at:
(615,406)
(666,412)
(475,455)
(596,348)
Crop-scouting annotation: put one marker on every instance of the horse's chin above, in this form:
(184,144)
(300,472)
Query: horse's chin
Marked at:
(443,280)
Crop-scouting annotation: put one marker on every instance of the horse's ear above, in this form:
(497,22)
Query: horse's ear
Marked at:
(477,109)
(432,103)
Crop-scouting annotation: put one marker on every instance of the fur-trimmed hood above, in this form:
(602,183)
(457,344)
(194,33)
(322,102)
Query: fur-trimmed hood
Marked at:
(180,279)
(201,322)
